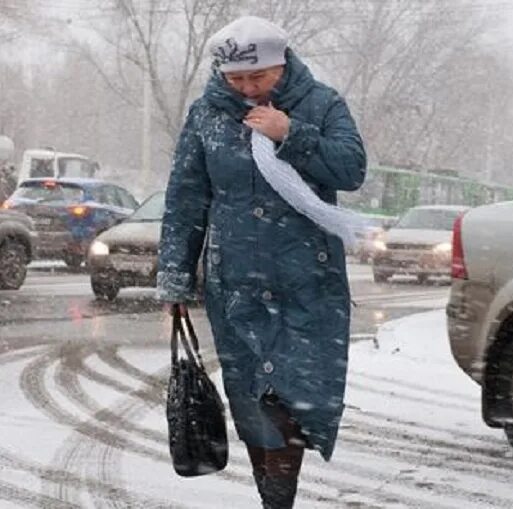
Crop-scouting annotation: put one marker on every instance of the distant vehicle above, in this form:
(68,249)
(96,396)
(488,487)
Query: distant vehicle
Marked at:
(126,254)
(8,179)
(419,244)
(480,308)
(69,213)
(17,238)
(375,226)
(48,163)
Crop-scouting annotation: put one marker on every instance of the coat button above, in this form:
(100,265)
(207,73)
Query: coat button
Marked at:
(268,367)
(216,258)
(258,212)
(267,295)
(322,256)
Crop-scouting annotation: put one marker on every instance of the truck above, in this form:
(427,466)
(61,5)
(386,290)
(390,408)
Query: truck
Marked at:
(48,162)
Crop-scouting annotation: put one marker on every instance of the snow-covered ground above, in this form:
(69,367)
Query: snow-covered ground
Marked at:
(411,434)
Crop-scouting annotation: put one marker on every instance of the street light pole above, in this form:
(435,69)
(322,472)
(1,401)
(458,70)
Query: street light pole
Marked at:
(146,131)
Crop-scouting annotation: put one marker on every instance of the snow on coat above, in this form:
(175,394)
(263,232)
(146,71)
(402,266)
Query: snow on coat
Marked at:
(276,289)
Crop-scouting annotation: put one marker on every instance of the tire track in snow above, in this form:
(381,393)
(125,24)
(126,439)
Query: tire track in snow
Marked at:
(110,356)
(75,454)
(48,474)
(401,393)
(66,377)
(365,485)
(162,438)
(32,383)
(380,479)
(424,453)
(396,430)
(444,393)
(15,494)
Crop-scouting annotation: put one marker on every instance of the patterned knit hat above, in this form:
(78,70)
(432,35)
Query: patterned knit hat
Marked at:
(248,44)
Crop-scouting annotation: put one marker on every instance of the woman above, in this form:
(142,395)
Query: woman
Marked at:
(276,290)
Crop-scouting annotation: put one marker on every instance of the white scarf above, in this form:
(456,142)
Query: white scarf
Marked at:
(286,181)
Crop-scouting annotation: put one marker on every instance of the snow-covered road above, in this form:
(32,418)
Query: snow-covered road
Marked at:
(83,426)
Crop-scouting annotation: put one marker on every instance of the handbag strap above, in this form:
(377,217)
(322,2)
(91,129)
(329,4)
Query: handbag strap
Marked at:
(193,337)
(176,324)
(187,339)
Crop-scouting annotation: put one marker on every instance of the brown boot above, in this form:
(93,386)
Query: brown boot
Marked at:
(257,457)
(276,474)
(276,471)
(279,493)
(281,478)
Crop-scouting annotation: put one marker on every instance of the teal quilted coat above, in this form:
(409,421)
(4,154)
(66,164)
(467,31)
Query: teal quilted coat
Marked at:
(276,289)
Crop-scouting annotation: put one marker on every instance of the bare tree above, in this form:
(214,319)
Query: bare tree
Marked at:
(165,40)
(392,57)
(407,68)
(7,28)
(13,16)
(163,43)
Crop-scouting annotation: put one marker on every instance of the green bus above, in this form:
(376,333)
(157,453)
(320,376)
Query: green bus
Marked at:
(391,191)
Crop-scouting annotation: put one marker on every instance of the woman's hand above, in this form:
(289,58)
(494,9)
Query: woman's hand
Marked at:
(269,121)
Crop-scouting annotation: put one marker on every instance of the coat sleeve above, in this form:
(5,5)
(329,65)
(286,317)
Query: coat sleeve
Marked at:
(185,217)
(333,156)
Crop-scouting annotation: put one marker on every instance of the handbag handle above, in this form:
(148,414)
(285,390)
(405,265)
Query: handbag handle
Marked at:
(186,339)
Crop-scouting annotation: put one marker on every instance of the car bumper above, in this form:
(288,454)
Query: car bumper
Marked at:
(53,244)
(466,325)
(412,263)
(127,270)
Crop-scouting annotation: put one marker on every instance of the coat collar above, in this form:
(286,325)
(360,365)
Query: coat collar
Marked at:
(296,82)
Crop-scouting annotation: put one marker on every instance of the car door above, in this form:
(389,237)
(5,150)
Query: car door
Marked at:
(128,202)
(110,210)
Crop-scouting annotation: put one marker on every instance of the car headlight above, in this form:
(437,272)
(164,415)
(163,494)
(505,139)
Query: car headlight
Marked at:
(443,248)
(99,248)
(380,245)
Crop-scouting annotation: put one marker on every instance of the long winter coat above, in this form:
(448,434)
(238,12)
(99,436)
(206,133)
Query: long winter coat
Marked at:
(276,290)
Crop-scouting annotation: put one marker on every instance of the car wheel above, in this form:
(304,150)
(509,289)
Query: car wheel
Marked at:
(105,289)
(422,278)
(13,264)
(381,277)
(73,261)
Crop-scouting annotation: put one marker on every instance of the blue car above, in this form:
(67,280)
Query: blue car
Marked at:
(69,213)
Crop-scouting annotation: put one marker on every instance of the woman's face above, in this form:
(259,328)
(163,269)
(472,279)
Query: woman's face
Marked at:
(255,85)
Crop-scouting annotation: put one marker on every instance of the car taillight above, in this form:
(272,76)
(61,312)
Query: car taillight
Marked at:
(458,269)
(79,211)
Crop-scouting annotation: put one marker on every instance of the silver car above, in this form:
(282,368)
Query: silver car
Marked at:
(374,227)
(480,308)
(126,254)
(419,244)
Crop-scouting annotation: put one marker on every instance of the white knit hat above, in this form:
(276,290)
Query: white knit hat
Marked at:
(248,44)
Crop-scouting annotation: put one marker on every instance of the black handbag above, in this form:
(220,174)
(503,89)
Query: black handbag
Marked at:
(195,413)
